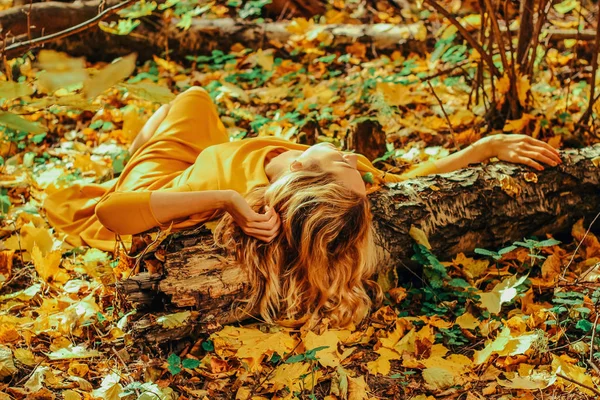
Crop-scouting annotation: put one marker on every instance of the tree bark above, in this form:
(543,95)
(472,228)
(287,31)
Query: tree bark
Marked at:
(48,17)
(203,35)
(485,206)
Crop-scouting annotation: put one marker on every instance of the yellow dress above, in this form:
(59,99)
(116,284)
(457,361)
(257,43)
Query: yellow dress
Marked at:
(190,151)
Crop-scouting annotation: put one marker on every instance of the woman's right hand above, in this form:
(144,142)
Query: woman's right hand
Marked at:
(264,227)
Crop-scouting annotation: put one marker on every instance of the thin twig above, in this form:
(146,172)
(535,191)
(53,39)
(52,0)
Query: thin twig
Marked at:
(465,34)
(586,115)
(583,385)
(445,115)
(505,64)
(593,337)
(577,248)
(66,32)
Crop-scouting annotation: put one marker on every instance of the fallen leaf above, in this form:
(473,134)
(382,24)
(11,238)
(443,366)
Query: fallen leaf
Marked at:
(7,365)
(25,356)
(503,292)
(71,395)
(149,91)
(73,352)
(535,381)
(506,345)
(439,378)
(173,320)
(357,388)
(419,236)
(109,76)
(11,90)
(328,357)
(467,321)
(46,266)
(110,388)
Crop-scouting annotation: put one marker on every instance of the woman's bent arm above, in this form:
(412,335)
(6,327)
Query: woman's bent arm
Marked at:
(169,206)
(128,213)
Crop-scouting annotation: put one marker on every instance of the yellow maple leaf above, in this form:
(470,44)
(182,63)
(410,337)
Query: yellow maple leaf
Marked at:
(467,321)
(439,378)
(471,267)
(294,376)
(47,266)
(251,345)
(562,365)
(328,357)
(506,345)
(357,388)
(503,292)
(382,364)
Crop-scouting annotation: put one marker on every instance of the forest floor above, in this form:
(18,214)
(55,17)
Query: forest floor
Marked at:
(518,322)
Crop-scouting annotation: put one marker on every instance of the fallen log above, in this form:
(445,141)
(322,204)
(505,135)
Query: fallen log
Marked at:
(484,206)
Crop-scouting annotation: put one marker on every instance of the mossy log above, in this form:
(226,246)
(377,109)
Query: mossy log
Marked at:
(483,206)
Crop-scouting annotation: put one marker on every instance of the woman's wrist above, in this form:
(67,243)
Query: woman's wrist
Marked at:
(226,199)
(484,149)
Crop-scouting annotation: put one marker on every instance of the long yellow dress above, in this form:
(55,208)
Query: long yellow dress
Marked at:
(190,151)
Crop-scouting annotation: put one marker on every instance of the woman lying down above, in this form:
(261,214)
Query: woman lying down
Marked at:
(297,217)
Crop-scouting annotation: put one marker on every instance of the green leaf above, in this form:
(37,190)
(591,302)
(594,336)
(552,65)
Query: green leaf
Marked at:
(311,354)
(174,362)
(208,345)
(460,283)
(122,28)
(566,6)
(506,250)
(4,203)
(296,358)
(584,325)
(485,252)
(369,178)
(138,9)
(190,363)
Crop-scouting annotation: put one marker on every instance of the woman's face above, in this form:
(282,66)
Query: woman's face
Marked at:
(330,159)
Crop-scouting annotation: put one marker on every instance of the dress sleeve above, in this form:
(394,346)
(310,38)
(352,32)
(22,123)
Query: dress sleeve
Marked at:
(126,213)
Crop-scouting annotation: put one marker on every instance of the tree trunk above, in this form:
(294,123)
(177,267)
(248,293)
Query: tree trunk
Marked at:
(48,17)
(205,35)
(484,207)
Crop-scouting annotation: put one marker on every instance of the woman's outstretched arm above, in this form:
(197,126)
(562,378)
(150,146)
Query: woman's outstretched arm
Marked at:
(519,149)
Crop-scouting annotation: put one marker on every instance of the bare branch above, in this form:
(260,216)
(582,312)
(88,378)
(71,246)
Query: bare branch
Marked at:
(466,35)
(28,44)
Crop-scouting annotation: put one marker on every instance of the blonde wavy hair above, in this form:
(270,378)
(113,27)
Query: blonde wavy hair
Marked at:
(321,262)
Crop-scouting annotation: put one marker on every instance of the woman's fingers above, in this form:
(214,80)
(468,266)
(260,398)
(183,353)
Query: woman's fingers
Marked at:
(264,230)
(528,161)
(541,143)
(546,149)
(538,156)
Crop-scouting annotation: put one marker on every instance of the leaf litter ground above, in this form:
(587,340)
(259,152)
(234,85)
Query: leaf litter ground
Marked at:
(506,323)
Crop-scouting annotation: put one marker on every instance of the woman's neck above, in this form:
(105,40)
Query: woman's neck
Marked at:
(275,166)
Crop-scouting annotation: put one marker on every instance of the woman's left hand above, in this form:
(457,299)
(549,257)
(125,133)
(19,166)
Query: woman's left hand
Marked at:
(520,149)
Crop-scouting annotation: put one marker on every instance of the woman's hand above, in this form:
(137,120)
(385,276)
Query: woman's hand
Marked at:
(261,226)
(520,149)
